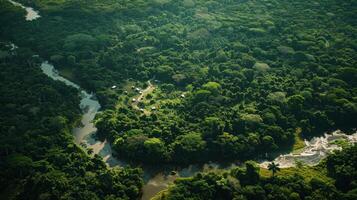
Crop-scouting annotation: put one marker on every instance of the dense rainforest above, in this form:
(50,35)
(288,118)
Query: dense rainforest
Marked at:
(38,157)
(232,79)
(184,81)
(337,181)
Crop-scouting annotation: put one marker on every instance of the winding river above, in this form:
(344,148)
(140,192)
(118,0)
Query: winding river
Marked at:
(31,14)
(157,178)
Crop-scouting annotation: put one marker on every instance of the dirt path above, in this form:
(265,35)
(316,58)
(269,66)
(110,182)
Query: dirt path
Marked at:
(150,88)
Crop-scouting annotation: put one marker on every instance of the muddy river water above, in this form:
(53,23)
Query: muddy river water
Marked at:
(158,177)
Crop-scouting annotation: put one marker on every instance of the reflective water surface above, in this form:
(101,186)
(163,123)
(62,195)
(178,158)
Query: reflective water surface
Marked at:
(160,176)
(31,14)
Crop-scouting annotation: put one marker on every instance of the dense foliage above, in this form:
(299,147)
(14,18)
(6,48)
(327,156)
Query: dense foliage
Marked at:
(228,80)
(38,157)
(247,184)
(342,167)
(251,72)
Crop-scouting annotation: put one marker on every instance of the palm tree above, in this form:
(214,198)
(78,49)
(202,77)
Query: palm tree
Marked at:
(273,167)
(90,151)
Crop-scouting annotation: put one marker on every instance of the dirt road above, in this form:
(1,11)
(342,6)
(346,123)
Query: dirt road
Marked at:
(149,89)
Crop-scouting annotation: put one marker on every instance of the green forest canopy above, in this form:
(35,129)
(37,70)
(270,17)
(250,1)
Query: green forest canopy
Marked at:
(251,73)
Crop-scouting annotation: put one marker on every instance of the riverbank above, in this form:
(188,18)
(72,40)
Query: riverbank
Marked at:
(161,178)
(308,173)
(31,14)
(158,178)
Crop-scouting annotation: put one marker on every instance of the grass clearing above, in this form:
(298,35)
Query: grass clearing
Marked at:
(305,171)
(299,143)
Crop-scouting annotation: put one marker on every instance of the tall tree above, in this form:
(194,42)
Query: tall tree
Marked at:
(273,168)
